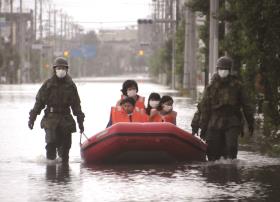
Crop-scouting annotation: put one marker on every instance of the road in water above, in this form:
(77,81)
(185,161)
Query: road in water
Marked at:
(25,175)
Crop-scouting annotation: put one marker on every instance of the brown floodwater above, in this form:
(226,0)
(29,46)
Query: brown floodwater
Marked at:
(25,175)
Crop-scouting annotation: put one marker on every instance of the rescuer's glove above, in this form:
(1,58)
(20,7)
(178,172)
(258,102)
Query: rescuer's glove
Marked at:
(81,127)
(30,124)
(32,118)
(80,120)
(194,130)
(203,134)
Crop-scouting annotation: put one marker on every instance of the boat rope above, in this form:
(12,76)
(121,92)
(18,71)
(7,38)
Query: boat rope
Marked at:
(81,137)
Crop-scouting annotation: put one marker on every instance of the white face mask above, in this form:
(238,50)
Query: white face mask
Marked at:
(167,108)
(60,73)
(154,103)
(223,73)
(131,93)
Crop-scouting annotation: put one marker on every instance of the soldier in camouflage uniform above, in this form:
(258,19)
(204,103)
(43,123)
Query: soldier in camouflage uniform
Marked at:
(197,114)
(57,95)
(221,107)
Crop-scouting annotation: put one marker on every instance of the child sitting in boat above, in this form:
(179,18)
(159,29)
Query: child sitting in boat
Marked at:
(164,112)
(153,103)
(130,89)
(127,112)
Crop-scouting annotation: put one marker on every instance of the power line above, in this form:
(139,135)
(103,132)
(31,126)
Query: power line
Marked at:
(80,5)
(104,22)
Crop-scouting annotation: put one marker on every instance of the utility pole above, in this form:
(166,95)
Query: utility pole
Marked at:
(49,23)
(21,44)
(213,39)
(162,16)
(61,30)
(50,42)
(69,23)
(167,9)
(173,27)
(1,44)
(54,29)
(11,6)
(12,38)
(35,19)
(65,29)
(158,38)
(72,30)
(166,17)
(41,37)
(12,23)
(189,77)
(227,29)
(41,19)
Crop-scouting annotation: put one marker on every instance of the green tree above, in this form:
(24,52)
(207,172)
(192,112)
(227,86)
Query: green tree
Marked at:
(253,42)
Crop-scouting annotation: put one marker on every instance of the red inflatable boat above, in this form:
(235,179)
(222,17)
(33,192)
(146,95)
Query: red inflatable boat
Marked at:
(143,142)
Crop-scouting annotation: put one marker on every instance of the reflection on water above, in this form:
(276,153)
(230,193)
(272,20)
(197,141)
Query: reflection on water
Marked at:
(57,173)
(57,183)
(26,176)
(224,180)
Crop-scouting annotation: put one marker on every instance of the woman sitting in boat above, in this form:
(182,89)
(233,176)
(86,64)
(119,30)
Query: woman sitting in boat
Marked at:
(164,112)
(153,103)
(127,112)
(130,89)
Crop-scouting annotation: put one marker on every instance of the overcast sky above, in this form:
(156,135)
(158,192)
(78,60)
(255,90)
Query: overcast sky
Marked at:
(110,13)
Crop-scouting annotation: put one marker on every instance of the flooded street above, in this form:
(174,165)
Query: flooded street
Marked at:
(25,175)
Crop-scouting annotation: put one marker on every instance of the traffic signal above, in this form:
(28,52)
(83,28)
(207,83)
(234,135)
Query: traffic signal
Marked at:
(141,52)
(145,21)
(66,54)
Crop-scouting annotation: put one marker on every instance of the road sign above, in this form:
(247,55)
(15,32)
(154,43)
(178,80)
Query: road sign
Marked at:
(76,52)
(86,51)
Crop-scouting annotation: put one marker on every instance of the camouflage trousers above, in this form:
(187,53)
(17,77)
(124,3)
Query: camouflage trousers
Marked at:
(58,142)
(222,143)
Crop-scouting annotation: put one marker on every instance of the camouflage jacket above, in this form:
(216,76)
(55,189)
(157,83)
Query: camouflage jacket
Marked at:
(195,124)
(222,105)
(56,96)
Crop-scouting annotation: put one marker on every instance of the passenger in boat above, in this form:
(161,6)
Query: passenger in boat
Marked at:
(164,112)
(127,112)
(222,105)
(130,89)
(153,102)
(57,95)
